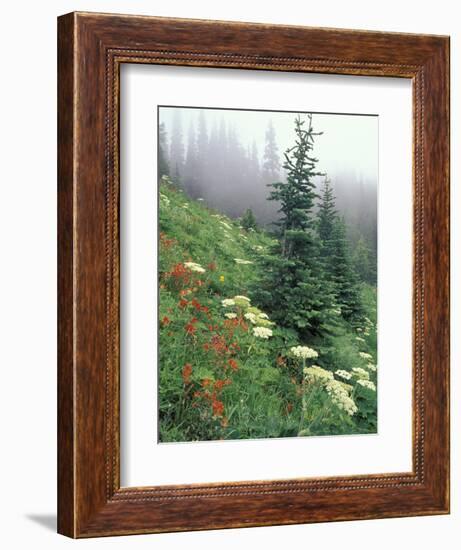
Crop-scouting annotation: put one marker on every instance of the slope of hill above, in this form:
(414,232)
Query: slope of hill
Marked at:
(226,371)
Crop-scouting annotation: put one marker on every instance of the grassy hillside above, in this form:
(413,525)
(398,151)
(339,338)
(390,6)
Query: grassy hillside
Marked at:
(226,370)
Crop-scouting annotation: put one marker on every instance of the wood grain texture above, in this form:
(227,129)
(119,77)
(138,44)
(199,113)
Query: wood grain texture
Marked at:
(91,49)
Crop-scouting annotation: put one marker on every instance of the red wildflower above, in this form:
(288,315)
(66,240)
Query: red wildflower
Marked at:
(219,344)
(233,364)
(186,373)
(206,382)
(196,304)
(166,321)
(189,328)
(212,266)
(183,303)
(218,407)
(220,384)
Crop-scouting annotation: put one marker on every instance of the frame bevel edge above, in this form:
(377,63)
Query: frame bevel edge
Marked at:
(66,524)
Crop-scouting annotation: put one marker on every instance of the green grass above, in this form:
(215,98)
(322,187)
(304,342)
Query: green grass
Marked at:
(217,378)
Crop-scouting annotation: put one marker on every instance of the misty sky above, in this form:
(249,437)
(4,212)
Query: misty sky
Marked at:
(348,145)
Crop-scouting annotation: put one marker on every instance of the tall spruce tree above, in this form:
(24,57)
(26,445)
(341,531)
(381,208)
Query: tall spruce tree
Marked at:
(336,256)
(365,261)
(294,287)
(190,171)
(176,148)
(162,163)
(327,213)
(271,161)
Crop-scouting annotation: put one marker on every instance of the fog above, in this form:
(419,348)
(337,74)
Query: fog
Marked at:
(228,157)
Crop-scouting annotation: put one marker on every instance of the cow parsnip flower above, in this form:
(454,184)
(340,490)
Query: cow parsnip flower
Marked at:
(340,397)
(193,266)
(251,317)
(317,374)
(360,373)
(364,355)
(343,374)
(262,332)
(304,352)
(367,384)
(228,302)
(230,315)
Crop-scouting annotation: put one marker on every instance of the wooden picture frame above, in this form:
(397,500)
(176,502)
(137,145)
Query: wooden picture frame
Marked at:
(91,49)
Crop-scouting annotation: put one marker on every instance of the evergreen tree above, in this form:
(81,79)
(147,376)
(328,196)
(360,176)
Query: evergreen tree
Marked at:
(190,172)
(253,162)
(294,288)
(176,148)
(162,165)
(271,161)
(337,257)
(327,213)
(248,220)
(341,273)
(203,147)
(365,261)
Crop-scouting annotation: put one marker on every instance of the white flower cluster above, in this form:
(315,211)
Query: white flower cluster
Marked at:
(364,355)
(304,352)
(317,374)
(164,199)
(262,332)
(242,262)
(245,298)
(360,373)
(343,374)
(372,367)
(360,339)
(230,315)
(194,267)
(227,302)
(367,384)
(340,397)
(226,225)
(251,317)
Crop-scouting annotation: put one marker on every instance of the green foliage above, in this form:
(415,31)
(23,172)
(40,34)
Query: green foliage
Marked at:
(365,261)
(293,286)
(248,220)
(163,166)
(217,380)
(336,255)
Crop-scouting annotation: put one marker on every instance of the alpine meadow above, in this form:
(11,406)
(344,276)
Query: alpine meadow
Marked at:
(267,274)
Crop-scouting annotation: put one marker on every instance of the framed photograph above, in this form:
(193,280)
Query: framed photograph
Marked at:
(253,275)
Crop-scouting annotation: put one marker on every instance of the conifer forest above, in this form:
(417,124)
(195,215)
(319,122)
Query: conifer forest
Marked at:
(267,274)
